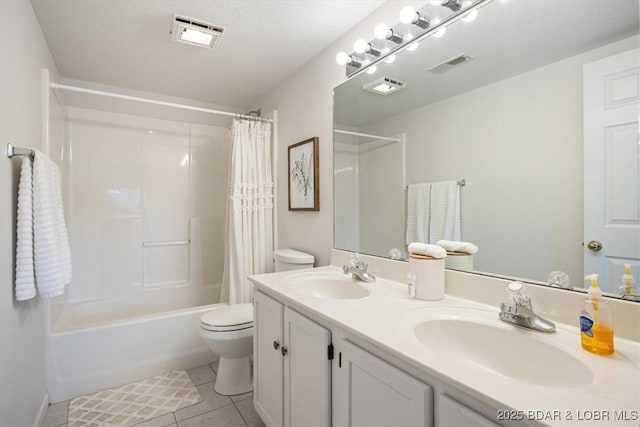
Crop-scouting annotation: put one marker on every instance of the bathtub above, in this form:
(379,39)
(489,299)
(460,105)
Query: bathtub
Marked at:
(89,351)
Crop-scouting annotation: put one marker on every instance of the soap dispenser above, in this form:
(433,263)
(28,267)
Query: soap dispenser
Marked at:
(596,321)
(628,282)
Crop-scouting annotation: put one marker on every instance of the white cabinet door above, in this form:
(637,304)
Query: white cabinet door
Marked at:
(370,392)
(307,372)
(450,413)
(268,374)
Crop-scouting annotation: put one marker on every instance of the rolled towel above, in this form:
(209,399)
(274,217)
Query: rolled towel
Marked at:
(455,246)
(426,249)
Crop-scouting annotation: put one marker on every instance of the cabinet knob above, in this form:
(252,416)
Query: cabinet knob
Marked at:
(276,345)
(284,351)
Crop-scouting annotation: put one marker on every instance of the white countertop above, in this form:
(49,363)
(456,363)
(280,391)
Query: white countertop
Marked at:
(386,318)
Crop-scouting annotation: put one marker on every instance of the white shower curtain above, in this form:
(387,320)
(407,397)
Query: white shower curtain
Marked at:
(249,236)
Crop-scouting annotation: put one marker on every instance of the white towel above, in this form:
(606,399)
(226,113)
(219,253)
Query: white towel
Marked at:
(426,249)
(444,211)
(418,213)
(51,243)
(25,278)
(456,246)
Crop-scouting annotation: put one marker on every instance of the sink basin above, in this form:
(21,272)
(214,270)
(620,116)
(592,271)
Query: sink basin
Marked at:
(327,285)
(514,353)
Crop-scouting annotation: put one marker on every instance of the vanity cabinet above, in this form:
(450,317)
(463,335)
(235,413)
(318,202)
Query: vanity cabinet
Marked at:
(368,391)
(450,412)
(292,366)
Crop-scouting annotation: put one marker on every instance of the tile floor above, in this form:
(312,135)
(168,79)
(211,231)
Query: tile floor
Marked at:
(214,410)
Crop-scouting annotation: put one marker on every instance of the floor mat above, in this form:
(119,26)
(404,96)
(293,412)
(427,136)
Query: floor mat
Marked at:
(134,403)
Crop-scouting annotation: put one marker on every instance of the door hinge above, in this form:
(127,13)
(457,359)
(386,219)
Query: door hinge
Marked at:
(330,351)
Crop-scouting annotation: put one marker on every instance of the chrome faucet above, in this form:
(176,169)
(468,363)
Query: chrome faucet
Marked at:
(358,269)
(520,312)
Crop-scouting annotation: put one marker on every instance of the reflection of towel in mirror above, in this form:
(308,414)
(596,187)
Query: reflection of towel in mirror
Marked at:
(426,249)
(456,246)
(418,213)
(444,211)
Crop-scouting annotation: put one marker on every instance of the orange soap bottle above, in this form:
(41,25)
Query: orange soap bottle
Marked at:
(596,321)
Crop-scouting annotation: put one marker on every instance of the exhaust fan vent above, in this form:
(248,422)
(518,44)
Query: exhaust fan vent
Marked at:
(194,32)
(450,64)
(384,85)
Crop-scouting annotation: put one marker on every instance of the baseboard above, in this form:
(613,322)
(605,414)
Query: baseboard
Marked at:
(42,411)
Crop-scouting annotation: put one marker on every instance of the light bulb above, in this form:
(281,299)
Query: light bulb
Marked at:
(342,58)
(413,46)
(470,16)
(372,69)
(360,46)
(391,59)
(407,15)
(381,31)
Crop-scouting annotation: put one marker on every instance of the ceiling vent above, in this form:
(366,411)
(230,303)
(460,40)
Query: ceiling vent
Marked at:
(194,32)
(450,64)
(384,85)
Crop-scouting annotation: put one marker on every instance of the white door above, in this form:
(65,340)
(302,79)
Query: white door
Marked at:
(370,392)
(268,376)
(307,372)
(612,168)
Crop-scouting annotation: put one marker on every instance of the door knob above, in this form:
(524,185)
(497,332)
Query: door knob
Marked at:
(276,345)
(284,351)
(594,245)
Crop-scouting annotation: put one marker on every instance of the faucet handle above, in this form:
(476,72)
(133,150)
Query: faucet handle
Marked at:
(517,292)
(357,262)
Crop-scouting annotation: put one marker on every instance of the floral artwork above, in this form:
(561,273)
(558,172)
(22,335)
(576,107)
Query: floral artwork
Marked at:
(303,175)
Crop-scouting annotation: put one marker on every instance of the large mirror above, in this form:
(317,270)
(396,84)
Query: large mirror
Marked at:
(521,126)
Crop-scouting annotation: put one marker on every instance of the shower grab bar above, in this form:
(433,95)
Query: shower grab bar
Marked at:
(13,151)
(167,243)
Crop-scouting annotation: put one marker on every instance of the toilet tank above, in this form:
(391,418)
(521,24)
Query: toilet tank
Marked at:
(289,259)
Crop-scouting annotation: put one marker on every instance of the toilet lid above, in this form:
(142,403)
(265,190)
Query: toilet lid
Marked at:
(228,317)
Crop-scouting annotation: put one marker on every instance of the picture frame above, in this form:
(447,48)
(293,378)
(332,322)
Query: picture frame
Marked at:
(304,182)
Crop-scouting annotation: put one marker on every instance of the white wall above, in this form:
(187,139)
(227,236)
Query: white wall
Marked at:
(23,52)
(304,101)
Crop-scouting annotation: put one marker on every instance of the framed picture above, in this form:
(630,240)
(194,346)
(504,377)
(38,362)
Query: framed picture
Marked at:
(303,176)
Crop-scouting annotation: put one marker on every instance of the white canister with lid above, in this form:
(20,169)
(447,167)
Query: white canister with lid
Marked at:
(429,274)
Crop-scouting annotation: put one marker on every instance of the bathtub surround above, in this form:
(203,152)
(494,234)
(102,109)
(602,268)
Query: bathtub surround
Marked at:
(23,53)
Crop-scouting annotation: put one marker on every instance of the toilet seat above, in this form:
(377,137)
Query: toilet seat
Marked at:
(228,318)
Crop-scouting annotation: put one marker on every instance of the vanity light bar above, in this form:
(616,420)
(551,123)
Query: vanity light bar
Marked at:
(356,63)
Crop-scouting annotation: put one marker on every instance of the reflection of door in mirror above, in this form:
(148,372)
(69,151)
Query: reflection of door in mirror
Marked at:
(369,192)
(612,168)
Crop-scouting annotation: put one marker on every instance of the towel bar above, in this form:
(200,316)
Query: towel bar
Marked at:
(461,183)
(18,151)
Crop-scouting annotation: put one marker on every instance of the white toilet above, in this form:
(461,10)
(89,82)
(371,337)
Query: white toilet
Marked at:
(228,331)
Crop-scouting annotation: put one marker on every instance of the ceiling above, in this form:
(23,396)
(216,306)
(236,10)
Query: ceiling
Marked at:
(127,43)
(507,39)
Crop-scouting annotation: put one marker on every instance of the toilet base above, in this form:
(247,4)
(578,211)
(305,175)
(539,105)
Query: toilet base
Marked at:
(234,376)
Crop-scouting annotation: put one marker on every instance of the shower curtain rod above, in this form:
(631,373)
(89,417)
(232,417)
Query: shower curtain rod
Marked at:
(383,138)
(153,101)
